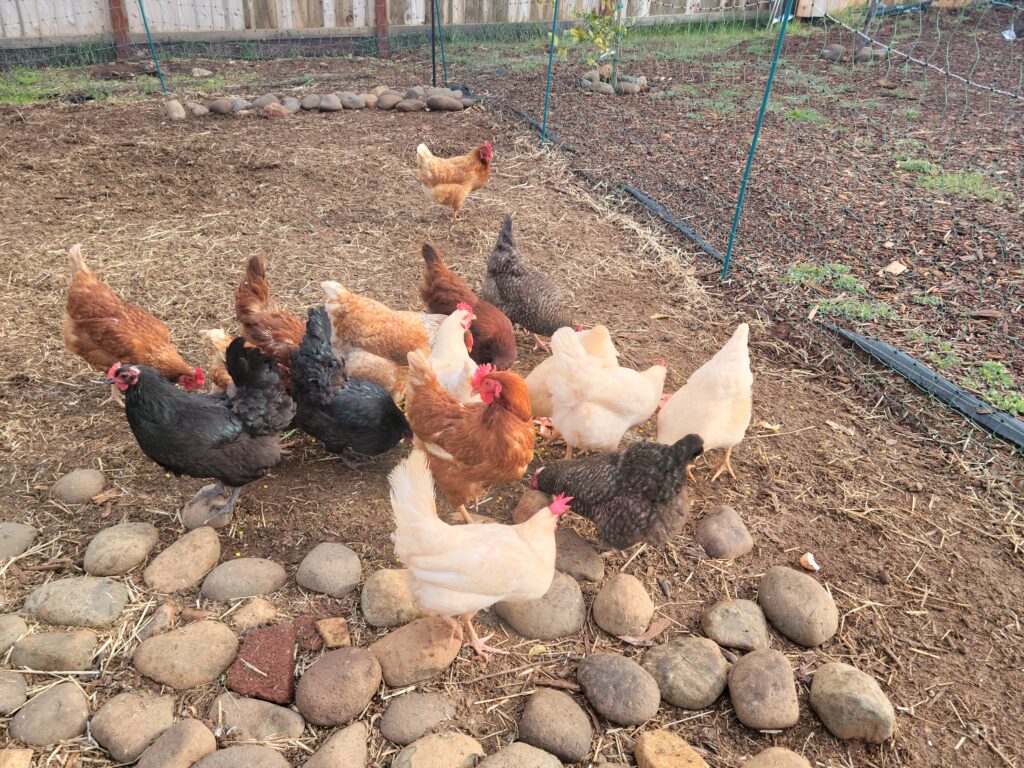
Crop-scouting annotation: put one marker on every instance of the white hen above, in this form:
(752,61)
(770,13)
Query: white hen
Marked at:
(715,402)
(593,405)
(450,358)
(457,570)
(597,341)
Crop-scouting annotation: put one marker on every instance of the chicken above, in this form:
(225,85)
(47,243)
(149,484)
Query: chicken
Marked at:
(101,329)
(637,494)
(715,402)
(472,446)
(449,180)
(264,323)
(593,405)
(449,357)
(598,344)
(229,436)
(494,340)
(525,294)
(356,415)
(459,570)
(218,342)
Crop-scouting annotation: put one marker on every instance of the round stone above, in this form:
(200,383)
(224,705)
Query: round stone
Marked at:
(161,620)
(180,746)
(798,606)
(440,750)
(763,691)
(291,104)
(128,723)
(851,704)
(338,686)
(418,651)
(275,111)
(12,629)
(310,101)
(329,568)
(174,110)
(412,715)
(244,577)
(55,651)
(120,548)
(661,749)
(410,105)
(623,607)
(387,599)
(690,671)
(345,748)
(552,721)
(196,109)
(248,755)
(254,613)
(13,692)
(736,624)
(254,720)
(561,612)
(520,755)
(79,601)
(627,88)
(183,564)
(576,557)
(619,689)
(352,101)
(56,714)
(777,757)
(388,100)
(604,88)
(15,538)
(723,535)
(221,107)
(330,103)
(80,486)
(193,655)
(443,103)
(264,100)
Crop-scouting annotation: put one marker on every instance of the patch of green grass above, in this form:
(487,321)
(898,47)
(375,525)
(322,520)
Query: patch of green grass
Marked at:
(965,184)
(917,165)
(849,284)
(20,86)
(806,115)
(855,309)
(946,357)
(927,299)
(815,273)
(912,114)
(996,385)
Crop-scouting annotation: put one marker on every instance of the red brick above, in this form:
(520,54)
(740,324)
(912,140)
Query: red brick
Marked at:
(271,650)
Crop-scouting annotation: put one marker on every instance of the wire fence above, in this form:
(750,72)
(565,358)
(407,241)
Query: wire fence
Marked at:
(884,196)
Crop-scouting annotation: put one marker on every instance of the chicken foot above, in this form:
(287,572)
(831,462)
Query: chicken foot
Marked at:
(115,396)
(477,643)
(466,516)
(726,465)
(206,501)
(541,344)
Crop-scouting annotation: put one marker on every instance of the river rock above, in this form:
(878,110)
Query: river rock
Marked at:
(370,99)
(246,755)
(416,92)
(690,671)
(736,624)
(777,757)
(723,535)
(864,53)
(623,607)
(16,758)
(444,103)
(161,620)
(79,486)
(345,748)
(196,109)
(410,105)
(13,693)
(330,103)
(619,689)
(763,691)
(627,88)
(15,538)
(418,651)
(310,101)
(410,716)
(554,722)
(388,100)
(254,720)
(851,704)
(221,106)
(128,723)
(467,102)
(338,686)
(603,88)
(440,750)
(180,746)
(12,629)
(352,101)
(661,749)
(520,755)
(244,577)
(79,601)
(175,113)
(592,76)
(184,563)
(192,655)
(254,613)
(291,104)
(120,548)
(56,714)
(329,568)
(334,632)
(576,556)
(833,52)
(264,100)
(561,612)
(55,651)
(798,606)
(271,650)
(387,599)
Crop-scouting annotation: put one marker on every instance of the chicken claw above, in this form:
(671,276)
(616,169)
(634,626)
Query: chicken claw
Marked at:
(541,344)
(208,506)
(726,466)
(115,396)
(479,644)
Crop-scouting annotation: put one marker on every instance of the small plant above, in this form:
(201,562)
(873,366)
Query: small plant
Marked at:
(967,184)
(849,284)
(919,166)
(839,275)
(912,114)
(927,300)
(806,115)
(855,309)
(946,358)
(996,385)
(597,33)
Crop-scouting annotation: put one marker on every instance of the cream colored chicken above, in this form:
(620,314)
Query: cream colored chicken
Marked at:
(217,341)
(597,341)
(715,402)
(450,358)
(457,570)
(592,405)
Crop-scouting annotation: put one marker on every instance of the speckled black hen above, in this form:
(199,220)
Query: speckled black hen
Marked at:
(631,495)
(524,293)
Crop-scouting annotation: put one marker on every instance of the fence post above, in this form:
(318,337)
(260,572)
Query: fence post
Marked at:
(757,133)
(618,44)
(440,39)
(119,23)
(380,19)
(152,49)
(433,46)
(551,65)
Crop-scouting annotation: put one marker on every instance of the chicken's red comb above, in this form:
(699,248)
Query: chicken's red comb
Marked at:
(488,144)
(200,376)
(560,504)
(481,373)
(113,370)
(464,307)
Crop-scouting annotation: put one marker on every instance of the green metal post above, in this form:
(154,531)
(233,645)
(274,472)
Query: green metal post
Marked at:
(618,45)
(551,65)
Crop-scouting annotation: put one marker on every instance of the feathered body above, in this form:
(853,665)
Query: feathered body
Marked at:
(449,357)
(230,437)
(264,323)
(218,341)
(101,329)
(449,180)
(356,414)
(494,339)
(597,342)
(593,405)
(470,447)
(525,294)
(630,495)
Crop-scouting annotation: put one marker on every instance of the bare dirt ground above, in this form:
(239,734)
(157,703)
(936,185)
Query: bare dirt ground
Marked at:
(920,545)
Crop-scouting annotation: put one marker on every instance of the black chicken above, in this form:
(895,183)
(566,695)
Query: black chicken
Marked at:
(631,495)
(230,436)
(524,293)
(358,415)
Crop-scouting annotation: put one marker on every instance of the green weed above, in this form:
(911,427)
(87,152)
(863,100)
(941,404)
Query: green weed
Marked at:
(927,299)
(916,165)
(996,385)
(806,115)
(855,309)
(966,184)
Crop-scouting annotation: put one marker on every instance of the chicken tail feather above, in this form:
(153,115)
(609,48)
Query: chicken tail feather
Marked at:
(314,365)
(420,370)
(412,491)
(77,262)
(688,448)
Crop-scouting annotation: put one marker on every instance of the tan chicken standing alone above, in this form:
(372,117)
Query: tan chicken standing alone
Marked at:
(449,180)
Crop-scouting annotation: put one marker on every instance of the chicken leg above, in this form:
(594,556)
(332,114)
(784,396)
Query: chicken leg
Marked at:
(466,517)
(207,497)
(541,344)
(726,465)
(477,643)
(115,396)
